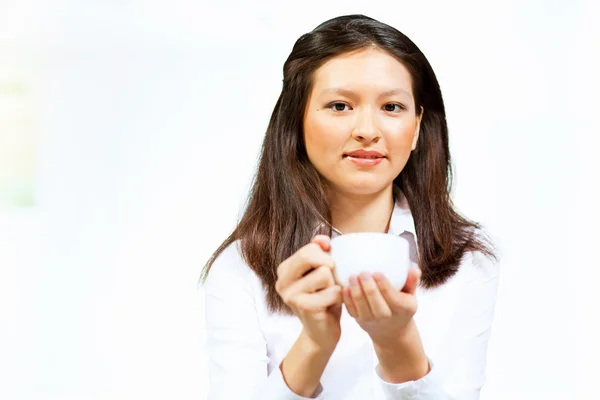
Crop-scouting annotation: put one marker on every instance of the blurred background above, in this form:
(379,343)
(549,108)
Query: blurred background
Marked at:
(129,131)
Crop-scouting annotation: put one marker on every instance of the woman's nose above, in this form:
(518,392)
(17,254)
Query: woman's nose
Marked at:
(366,129)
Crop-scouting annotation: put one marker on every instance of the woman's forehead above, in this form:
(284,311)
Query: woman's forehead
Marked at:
(368,70)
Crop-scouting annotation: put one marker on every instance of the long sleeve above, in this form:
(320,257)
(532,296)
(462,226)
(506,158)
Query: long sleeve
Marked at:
(237,350)
(458,373)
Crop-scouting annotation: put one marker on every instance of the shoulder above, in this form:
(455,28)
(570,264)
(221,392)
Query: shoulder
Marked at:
(477,266)
(230,272)
(230,258)
(469,292)
(478,274)
(475,269)
(477,263)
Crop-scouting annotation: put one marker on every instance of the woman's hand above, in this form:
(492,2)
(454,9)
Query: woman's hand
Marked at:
(383,312)
(305,283)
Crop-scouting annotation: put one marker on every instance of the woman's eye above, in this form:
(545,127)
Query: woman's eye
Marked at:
(338,106)
(390,107)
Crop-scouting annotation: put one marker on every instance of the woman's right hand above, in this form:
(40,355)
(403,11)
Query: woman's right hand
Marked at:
(305,283)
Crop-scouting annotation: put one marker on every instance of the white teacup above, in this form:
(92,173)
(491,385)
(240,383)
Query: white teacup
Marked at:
(354,253)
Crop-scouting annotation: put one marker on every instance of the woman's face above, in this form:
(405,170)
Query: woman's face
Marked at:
(361,101)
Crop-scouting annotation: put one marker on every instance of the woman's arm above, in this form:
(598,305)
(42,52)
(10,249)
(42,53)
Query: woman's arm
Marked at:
(458,372)
(404,360)
(237,349)
(303,367)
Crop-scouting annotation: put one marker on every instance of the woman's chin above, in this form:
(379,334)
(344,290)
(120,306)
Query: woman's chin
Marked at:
(362,187)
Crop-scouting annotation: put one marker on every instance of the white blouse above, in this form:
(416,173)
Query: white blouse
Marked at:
(246,343)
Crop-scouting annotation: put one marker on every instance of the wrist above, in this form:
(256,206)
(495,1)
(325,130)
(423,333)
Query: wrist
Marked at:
(407,337)
(314,348)
(303,366)
(403,359)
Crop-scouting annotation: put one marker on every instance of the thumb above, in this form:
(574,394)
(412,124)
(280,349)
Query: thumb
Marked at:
(322,240)
(412,280)
(336,310)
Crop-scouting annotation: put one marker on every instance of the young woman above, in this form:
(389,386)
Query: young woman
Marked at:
(357,142)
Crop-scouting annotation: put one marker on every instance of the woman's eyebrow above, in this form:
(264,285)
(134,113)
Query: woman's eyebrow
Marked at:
(350,93)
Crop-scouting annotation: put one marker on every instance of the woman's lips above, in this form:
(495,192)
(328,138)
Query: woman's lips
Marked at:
(365,160)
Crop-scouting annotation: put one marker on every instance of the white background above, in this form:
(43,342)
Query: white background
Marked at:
(152,114)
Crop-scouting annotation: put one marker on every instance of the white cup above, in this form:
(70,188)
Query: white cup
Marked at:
(354,253)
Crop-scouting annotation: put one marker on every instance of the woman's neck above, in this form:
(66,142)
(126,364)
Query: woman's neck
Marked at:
(369,213)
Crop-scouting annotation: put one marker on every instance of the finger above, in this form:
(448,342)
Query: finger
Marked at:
(412,280)
(398,301)
(336,309)
(319,300)
(363,310)
(301,262)
(377,303)
(391,295)
(322,240)
(349,303)
(314,281)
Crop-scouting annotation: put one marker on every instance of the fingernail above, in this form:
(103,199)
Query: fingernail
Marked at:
(353,281)
(365,276)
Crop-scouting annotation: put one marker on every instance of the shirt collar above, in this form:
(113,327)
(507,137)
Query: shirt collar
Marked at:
(401,220)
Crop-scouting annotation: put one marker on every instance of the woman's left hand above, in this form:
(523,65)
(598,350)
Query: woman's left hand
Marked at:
(382,311)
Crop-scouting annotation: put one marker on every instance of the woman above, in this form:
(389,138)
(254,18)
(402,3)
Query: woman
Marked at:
(357,142)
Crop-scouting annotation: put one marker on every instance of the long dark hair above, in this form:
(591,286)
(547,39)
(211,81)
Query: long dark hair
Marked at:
(289,198)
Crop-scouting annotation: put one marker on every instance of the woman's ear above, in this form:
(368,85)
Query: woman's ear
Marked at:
(418,129)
